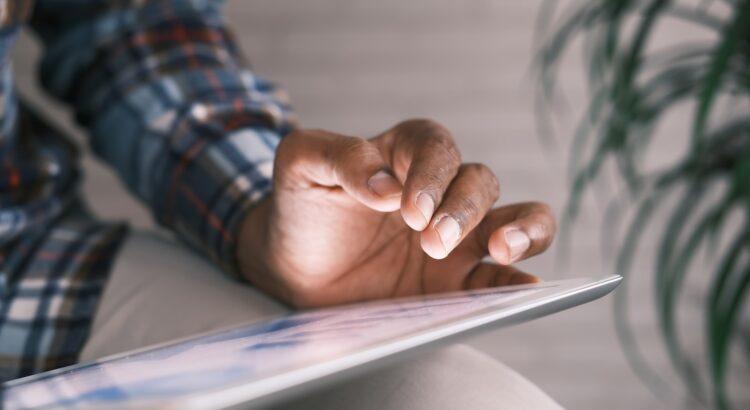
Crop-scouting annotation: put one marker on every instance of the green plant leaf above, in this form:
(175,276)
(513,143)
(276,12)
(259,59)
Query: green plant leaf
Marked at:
(720,320)
(729,326)
(586,126)
(672,267)
(624,94)
(628,341)
(735,33)
(630,91)
(693,15)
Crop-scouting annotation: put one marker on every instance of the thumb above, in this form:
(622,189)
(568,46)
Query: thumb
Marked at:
(309,158)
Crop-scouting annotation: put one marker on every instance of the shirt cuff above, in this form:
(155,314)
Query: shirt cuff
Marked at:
(208,198)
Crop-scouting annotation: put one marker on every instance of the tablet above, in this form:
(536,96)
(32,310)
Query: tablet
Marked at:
(262,362)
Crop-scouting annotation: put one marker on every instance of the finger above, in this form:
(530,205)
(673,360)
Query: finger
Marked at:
(426,158)
(515,232)
(467,200)
(487,275)
(320,158)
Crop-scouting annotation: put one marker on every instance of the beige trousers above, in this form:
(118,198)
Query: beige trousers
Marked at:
(160,290)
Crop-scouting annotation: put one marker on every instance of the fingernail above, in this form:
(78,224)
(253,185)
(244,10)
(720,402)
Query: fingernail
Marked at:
(518,242)
(449,232)
(426,206)
(384,184)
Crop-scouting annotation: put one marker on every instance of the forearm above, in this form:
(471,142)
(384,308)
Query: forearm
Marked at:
(172,107)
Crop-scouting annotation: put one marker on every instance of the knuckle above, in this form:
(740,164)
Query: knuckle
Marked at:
(357,152)
(424,125)
(431,131)
(444,140)
(354,154)
(447,151)
(355,148)
(454,154)
(467,210)
(432,181)
(482,173)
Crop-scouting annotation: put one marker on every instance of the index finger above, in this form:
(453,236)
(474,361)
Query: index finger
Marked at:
(426,159)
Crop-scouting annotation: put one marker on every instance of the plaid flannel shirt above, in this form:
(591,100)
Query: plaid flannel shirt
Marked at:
(167,101)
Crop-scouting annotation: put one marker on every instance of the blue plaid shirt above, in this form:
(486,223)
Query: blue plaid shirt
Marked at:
(168,102)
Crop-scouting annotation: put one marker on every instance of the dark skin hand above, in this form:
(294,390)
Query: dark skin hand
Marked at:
(399,214)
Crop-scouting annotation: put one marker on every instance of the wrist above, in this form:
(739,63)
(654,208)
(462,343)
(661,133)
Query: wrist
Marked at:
(252,244)
(255,256)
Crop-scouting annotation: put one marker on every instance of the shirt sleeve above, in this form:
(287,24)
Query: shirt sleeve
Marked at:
(169,103)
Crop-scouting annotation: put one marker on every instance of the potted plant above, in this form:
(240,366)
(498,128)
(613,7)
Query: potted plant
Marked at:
(632,89)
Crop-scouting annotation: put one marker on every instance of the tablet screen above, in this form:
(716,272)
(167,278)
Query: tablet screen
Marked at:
(260,362)
(249,354)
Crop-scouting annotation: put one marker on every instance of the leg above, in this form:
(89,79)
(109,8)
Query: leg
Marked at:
(457,377)
(160,291)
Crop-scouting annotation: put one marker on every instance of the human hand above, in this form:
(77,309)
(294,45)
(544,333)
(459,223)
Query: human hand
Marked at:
(331,231)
